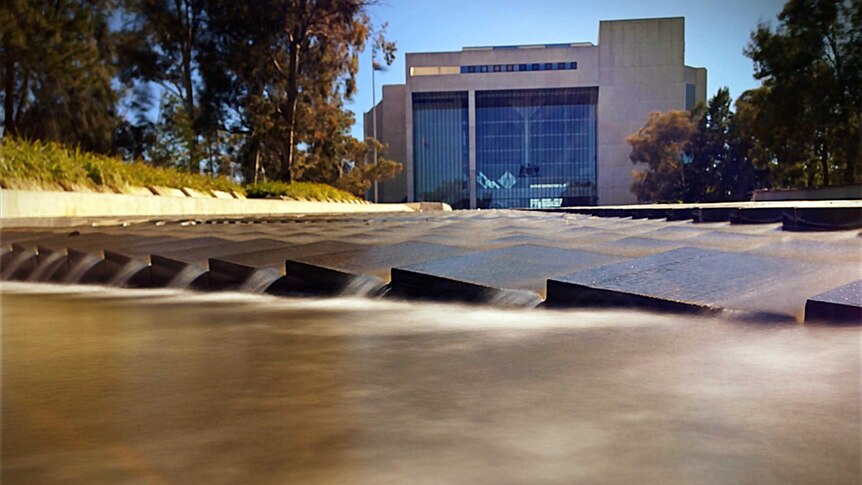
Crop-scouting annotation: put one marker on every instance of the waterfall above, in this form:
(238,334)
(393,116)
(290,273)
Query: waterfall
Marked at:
(186,276)
(259,280)
(126,272)
(16,262)
(363,285)
(81,267)
(48,264)
(513,298)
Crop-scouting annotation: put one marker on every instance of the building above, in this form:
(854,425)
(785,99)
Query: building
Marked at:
(534,125)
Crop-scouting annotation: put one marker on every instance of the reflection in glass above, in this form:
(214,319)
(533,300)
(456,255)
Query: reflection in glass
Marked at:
(536,148)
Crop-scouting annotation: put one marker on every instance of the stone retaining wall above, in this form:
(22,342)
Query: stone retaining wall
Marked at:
(29,204)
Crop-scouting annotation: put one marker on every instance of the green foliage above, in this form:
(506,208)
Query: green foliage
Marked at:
(48,164)
(660,145)
(701,156)
(719,164)
(286,67)
(175,141)
(57,71)
(806,117)
(251,84)
(297,190)
(362,173)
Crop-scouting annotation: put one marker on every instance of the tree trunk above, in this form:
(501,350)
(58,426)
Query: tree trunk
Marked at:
(290,106)
(188,86)
(824,164)
(853,153)
(9,87)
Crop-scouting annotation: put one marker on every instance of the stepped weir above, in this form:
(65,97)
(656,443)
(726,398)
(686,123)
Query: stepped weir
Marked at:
(766,261)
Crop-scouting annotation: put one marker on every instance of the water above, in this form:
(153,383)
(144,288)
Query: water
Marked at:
(260,280)
(81,267)
(48,264)
(15,262)
(186,276)
(126,272)
(165,386)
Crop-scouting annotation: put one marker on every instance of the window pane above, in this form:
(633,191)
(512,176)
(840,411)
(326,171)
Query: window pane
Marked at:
(440,150)
(536,148)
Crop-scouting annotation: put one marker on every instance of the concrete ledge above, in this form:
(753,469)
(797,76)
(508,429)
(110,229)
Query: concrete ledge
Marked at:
(31,204)
(316,279)
(841,305)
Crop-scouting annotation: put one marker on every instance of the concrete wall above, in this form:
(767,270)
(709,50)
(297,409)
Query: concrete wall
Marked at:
(638,66)
(697,76)
(18,204)
(390,130)
(642,70)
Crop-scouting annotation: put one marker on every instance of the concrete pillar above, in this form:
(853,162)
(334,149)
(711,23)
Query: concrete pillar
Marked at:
(408,165)
(471,141)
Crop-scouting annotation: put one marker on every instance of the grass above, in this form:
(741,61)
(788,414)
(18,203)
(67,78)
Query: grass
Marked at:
(298,190)
(47,165)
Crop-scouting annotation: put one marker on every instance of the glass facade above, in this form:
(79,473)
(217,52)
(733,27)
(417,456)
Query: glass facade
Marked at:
(536,148)
(440,148)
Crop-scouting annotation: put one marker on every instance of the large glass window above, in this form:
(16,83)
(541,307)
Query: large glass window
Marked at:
(440,148)
(536,148)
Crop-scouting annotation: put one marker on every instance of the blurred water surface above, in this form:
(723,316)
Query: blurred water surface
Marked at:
(109,386)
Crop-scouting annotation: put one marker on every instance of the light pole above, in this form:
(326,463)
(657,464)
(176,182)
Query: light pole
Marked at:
(374,67)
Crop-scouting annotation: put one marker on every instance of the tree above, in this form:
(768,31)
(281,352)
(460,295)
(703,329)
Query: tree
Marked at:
(811,70)
(359,172)
(719,166)
(661,145)
(56,62)
(162,46)
(756,163)
(283,71)
(304,48)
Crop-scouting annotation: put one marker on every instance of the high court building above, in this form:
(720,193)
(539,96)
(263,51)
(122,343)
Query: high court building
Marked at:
(532,125)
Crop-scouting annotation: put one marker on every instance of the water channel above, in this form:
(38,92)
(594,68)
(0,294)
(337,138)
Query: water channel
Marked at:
(107,385)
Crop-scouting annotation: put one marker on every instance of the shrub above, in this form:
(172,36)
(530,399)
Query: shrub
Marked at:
(297,190)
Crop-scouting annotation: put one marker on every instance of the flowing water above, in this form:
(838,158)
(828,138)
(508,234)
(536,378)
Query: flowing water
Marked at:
(186,276)
(48,263)
(260,280)
(80,268)
(166,386)
(126,272)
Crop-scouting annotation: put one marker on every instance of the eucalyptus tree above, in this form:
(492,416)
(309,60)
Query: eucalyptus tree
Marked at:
(283,72)
(810,67)
(57,66)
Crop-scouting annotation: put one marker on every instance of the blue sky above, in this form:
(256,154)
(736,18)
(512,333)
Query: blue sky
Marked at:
(716,32)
